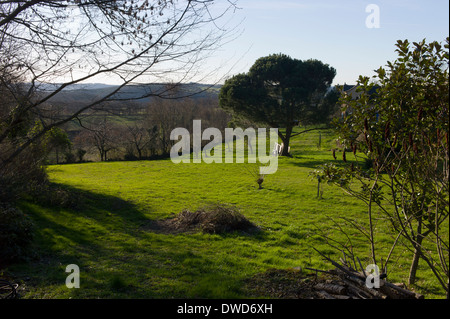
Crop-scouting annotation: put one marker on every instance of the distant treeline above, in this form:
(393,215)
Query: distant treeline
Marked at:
(133,131)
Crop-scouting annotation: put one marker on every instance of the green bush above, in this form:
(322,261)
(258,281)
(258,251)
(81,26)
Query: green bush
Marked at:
(54,195)
(16,234)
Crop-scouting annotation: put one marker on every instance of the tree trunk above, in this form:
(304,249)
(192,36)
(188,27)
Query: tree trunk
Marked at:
(414,265)
(369,211)
(417,254)
(286,140)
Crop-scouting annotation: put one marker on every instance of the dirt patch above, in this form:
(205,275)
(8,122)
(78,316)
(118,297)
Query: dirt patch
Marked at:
(282,284)
(216,219)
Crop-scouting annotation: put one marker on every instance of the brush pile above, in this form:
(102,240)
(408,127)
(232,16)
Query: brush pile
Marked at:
(215,219)
(346,283)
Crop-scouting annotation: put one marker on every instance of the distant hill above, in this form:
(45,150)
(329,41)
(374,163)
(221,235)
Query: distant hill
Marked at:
(84,93)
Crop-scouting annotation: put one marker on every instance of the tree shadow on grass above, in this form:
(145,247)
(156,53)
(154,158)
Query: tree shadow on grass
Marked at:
(83,231)
(103,236)
(66,208)
(314,163)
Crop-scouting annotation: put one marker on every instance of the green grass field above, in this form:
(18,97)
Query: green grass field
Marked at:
(119,257)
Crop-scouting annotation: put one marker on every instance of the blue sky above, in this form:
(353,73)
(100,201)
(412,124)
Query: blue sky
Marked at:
(334,32)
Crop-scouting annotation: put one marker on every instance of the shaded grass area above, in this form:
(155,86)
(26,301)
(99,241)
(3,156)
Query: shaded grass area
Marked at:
(105,233)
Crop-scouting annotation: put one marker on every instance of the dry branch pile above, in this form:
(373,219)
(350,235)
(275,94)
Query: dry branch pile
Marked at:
(348,283)
(213,219)
(342,282)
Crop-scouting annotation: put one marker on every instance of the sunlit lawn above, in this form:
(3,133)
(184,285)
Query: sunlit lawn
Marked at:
(105,235)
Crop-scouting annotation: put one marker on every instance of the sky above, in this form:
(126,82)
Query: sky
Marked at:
(334,32)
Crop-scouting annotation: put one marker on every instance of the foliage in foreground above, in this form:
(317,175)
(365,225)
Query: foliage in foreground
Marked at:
(16,234)
(402,129)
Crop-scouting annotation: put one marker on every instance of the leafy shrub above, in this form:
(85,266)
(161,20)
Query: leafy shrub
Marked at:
(16,233)
(368,163)
(19,177)
(56,196)
(69,157)
(130,157)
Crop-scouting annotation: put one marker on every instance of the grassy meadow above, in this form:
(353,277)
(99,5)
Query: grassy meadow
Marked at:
(106,233)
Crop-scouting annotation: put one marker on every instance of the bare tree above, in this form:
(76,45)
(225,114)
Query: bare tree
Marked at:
(103,136)
(163,116)
(137,139)
(65,43)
